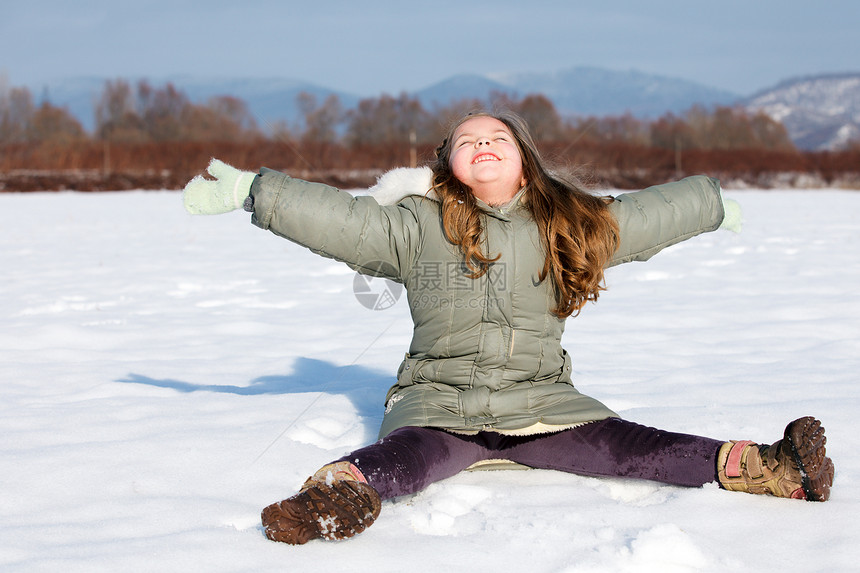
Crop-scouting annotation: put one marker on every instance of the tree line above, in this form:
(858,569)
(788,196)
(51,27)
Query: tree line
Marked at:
(158,130)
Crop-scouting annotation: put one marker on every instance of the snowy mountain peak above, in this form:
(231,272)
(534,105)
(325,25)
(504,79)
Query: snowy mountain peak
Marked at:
(820,112)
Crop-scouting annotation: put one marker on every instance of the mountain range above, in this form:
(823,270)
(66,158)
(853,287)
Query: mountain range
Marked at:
(821,112)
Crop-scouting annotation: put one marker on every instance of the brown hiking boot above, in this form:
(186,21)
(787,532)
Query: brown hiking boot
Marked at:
(795,466)
(328,507)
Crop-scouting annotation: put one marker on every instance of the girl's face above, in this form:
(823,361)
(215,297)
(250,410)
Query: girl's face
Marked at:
(485,156)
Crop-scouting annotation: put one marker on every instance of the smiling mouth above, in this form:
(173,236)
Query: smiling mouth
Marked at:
(485,157)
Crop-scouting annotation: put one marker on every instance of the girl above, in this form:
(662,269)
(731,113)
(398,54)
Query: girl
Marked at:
(495,253)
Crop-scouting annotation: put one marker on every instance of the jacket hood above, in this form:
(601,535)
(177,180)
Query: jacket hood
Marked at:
(396,184)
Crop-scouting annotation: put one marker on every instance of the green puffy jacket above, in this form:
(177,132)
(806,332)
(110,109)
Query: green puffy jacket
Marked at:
(485,353)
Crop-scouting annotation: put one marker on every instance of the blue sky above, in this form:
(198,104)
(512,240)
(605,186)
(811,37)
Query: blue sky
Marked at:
(367,48)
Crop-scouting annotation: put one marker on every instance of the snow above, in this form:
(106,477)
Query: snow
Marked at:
(165,377)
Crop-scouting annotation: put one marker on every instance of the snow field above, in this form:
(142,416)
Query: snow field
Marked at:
(166,376)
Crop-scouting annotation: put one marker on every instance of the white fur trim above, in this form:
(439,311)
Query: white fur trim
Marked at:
(394,185)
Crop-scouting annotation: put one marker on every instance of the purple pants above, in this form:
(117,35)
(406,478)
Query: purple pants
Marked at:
(409,459)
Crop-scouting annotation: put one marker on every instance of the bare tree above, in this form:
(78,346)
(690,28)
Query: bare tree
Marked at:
(51,124)
(162,111)
(117,118)
(16,114)
(387,120)
(770,134)
(321,122)
(543,119)
(237,118)
(22,122)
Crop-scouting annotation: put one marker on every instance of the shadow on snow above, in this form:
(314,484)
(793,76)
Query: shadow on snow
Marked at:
(364,387)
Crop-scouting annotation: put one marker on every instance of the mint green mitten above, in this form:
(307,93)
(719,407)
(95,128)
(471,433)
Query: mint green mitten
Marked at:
(226,193)
(732,219)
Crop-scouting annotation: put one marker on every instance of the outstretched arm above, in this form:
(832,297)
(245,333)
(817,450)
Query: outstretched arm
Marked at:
(372,239)
(663,215)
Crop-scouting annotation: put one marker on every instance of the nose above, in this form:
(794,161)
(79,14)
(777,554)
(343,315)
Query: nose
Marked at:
(482,141)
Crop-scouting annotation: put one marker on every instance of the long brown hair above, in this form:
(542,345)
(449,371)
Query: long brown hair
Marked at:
(578,232)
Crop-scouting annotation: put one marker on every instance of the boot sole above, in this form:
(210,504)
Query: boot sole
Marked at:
(337,511)
(807,440)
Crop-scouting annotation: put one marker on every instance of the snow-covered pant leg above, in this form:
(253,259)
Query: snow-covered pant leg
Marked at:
(619,448)
(409,459)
